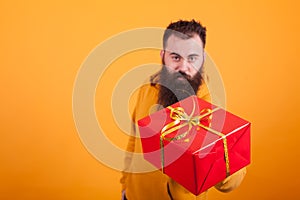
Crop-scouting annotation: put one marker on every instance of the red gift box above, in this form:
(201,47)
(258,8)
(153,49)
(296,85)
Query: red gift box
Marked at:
(195,143)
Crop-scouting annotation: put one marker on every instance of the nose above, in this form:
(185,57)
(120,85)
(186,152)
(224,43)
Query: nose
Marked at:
(183,66)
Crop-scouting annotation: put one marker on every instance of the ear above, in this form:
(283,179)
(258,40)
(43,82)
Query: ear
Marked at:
(162,53)
(204,55)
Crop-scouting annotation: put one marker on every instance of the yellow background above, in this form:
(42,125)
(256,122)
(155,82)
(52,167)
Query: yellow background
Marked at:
(255,45)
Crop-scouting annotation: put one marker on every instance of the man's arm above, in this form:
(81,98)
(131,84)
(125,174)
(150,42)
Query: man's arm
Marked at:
(128,155)
(178,192)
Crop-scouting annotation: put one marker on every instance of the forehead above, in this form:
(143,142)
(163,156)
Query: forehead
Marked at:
(184,47)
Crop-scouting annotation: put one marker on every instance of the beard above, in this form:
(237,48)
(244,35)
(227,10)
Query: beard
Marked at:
(176,86)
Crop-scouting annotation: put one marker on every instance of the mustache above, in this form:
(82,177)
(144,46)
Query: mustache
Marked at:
(181,74)
(184,75)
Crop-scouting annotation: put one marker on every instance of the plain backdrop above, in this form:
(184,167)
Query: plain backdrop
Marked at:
(255,45)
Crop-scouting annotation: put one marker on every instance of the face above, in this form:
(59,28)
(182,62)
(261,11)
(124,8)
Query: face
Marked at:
(185,56)
(180,76)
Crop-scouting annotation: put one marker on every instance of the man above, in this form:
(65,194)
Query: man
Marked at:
(181,76)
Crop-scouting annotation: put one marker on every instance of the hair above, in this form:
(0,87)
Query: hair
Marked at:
(185,30)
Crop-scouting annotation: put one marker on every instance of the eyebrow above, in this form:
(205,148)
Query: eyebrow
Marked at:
(194,54)
(176,54)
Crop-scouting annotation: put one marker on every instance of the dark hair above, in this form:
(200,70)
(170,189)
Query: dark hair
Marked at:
(185,30)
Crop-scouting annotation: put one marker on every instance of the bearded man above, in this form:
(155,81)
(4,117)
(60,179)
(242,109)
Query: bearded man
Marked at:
(180,77)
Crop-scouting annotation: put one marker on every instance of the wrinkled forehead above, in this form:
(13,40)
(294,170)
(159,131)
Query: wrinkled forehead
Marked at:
(184,47)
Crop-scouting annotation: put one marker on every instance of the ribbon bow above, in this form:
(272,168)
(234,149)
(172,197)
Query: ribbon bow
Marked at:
(179,115)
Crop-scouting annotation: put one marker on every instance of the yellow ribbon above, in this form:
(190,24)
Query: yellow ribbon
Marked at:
(179,115)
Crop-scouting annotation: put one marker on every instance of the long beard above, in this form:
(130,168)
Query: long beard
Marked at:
(172,89)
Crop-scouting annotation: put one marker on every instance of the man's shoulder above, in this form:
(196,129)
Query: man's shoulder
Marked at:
(148,90)
(147,98)
(203,92)
(150,86)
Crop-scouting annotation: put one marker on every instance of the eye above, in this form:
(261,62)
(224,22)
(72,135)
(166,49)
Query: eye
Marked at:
(176,58)
(192,58)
